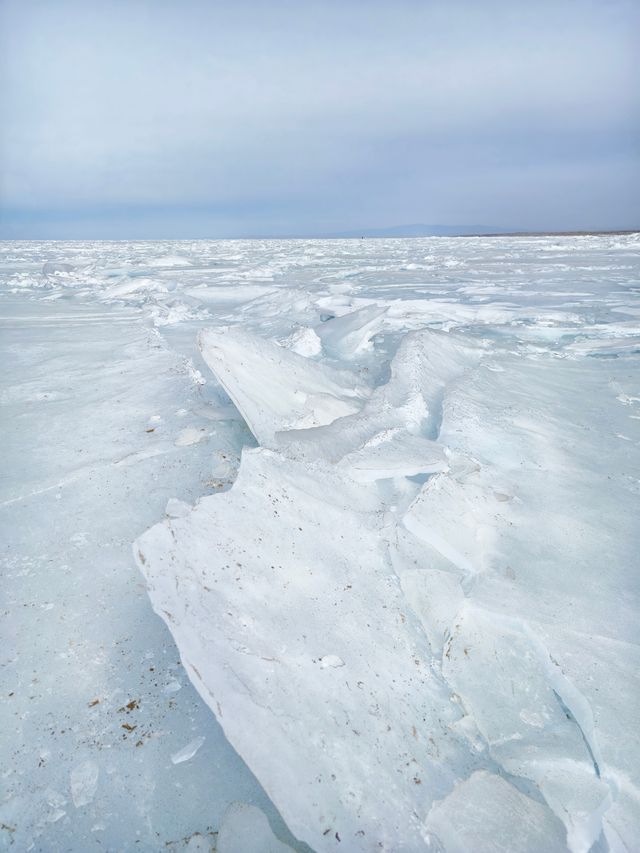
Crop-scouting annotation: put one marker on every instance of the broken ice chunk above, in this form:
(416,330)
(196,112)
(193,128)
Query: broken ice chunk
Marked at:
(545,744)
(84,782)
(53,267)
(176,508)
(304,341)
(350,334)
(189,435)
(331,660)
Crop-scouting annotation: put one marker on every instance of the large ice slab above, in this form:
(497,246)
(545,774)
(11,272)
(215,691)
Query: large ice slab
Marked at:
(291,622)
(268,623)
(497,596)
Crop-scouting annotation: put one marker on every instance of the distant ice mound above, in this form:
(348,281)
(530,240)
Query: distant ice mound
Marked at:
(55,267)
(170,261)
(374,611)
(350,334)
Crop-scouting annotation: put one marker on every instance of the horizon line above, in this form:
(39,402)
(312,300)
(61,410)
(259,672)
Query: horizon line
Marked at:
(364,236)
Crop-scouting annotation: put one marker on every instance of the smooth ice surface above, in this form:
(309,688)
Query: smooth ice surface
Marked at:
(486,814)
(245,829)
(94,701)
(412,608)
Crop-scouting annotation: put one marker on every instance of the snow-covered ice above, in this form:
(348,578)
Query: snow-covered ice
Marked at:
(385,497)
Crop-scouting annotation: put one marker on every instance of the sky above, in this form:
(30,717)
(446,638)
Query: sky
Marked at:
(132,119)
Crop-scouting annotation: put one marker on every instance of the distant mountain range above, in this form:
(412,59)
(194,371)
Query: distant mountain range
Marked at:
(420,230)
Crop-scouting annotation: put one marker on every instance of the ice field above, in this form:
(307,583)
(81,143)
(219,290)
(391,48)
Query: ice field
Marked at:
(325,544)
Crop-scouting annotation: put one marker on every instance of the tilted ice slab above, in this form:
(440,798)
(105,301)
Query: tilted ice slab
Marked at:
(274,388)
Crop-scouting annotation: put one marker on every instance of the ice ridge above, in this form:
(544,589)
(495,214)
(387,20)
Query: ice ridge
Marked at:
(357,612)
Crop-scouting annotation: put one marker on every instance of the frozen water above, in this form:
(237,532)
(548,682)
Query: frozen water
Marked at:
(412,608)
(245,829)
(94,700)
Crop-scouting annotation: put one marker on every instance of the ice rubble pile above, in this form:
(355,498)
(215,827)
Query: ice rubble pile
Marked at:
(397,611)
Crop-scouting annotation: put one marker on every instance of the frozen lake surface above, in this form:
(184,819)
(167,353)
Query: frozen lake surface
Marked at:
(385,497)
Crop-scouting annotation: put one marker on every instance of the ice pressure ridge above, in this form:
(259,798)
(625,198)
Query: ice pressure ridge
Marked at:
(379,611)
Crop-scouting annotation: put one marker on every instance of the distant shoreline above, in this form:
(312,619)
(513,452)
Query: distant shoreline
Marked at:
(613,233)
(616,232)
(620,231)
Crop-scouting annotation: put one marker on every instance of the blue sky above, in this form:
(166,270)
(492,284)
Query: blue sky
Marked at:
(190,119)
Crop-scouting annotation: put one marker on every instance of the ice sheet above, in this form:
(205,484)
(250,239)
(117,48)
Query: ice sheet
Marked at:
(413,608)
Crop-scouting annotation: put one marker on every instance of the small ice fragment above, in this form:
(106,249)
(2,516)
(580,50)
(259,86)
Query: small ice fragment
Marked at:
(84,781)
(176,508)
(54,816)
(304,341)
(187,751)
(173,686)
(189,435)
(330,660)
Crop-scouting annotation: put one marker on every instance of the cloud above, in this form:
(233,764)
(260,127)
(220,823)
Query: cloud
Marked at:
(316,116)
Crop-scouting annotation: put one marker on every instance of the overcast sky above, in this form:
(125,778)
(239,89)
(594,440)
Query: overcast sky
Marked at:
(185,118)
